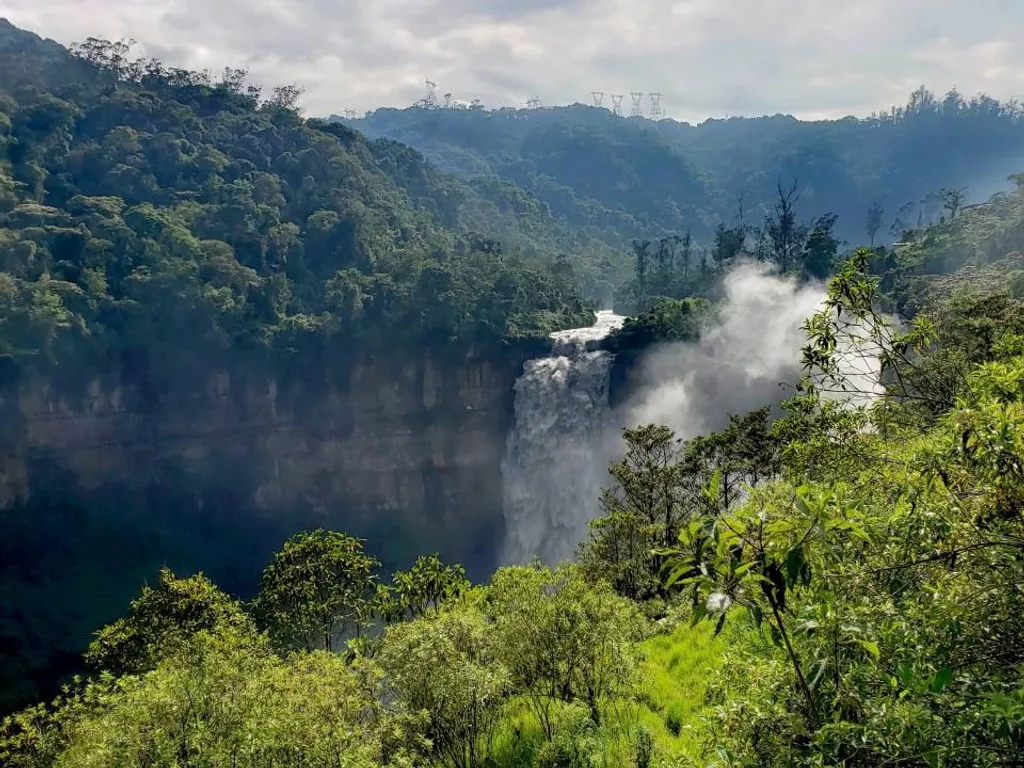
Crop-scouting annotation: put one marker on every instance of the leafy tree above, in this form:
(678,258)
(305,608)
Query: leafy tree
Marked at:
(563,639)
(661,486)
(160,620)
(953,200)
(429,584)
(642,511)
(317,588)
(873,222)
(445,665)
(227,700)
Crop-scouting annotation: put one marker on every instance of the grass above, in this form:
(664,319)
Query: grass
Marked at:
(675,675)
(671,706)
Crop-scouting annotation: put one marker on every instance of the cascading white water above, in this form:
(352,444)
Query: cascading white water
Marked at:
(556,453)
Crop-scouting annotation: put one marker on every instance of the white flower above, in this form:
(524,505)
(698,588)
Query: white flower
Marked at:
(718,602)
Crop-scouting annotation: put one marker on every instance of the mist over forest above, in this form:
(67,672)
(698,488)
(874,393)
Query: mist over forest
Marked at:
(514,437)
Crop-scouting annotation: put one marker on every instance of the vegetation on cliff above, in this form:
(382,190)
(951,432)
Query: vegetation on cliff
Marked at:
(838,586)
(142,206)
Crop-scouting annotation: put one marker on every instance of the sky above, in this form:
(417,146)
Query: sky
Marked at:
(709,58)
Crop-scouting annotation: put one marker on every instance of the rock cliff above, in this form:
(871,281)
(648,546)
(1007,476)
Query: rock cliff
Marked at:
(414,446)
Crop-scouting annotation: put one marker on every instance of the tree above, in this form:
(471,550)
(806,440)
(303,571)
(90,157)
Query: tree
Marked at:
(319,587)
(661,486)
(873,223)
(226,699)
(562,639)
(429,584)
(784,233)
(641,257)
(953,200)
(160,620)
(820,247)
(445,665)
(641,512)
(727,246)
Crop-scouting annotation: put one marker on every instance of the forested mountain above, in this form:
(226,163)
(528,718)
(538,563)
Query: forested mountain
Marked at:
(858,605)
(635,178)
(143,205)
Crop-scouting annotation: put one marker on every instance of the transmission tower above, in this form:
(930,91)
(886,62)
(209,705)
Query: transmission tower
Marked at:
(598,98)
(350,114)
(617,104)
(656,113)
(533,103)
(638,108)
(447,101)
(431,98)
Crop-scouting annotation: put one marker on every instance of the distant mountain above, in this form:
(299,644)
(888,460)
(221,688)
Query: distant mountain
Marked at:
(621,178)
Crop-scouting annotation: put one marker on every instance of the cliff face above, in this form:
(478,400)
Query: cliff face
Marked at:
(415,445)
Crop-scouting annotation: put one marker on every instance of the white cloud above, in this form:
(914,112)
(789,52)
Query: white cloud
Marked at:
(812,58)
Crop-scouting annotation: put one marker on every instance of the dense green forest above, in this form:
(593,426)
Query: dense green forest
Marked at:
(620,179)
(143,204)
(837,586)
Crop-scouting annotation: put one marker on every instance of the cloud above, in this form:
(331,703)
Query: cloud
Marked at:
(811,58)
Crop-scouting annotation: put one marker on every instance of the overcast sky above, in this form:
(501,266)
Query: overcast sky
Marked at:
(811,58)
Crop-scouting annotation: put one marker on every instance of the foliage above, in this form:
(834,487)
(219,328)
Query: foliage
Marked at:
(445,665)
(227,700)
(667,320)
(662,485)
(562,639)
(145,205)
(634,179)
(429,584)
(160,620)
(884,581)
(319,587)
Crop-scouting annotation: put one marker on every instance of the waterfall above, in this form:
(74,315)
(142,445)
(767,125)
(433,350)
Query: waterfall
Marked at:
(557,451)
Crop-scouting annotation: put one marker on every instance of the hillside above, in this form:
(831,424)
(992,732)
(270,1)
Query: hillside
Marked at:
(624,178)
(131,180)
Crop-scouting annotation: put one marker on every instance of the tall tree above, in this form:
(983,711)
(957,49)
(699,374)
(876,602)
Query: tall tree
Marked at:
(873,223)
(784,233)
(317,588)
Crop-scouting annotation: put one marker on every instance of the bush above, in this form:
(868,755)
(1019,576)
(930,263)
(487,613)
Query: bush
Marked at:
(574,741)
(674,718)
(644,748)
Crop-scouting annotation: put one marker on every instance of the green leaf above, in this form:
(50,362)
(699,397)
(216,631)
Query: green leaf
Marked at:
(713,491)
(795,563)
(700,611)
(871,648)
(756,614)
(941,679)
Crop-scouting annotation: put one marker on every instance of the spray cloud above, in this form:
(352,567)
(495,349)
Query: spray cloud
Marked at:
(738,363)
